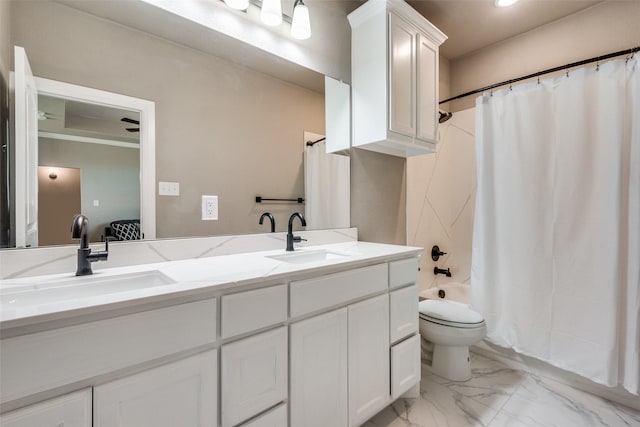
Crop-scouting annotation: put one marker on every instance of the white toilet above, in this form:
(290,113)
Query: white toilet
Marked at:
(452,327)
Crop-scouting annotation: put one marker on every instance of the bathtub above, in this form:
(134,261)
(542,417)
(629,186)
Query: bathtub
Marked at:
(458,292)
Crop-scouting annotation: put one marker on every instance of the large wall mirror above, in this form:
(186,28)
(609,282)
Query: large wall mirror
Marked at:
(221,128)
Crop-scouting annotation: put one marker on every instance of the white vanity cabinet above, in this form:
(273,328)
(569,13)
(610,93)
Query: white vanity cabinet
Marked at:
(368,358)
(319,370)
(404,327)
(72,410)
(394,67)
(342,371)
(327,346)
(182,393)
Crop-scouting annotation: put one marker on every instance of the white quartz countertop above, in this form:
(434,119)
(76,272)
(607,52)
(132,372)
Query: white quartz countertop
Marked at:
(38,299)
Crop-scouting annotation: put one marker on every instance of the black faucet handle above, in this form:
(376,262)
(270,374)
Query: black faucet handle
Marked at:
(298,239)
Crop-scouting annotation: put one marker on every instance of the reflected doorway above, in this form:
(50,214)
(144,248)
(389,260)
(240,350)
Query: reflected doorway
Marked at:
(58,202)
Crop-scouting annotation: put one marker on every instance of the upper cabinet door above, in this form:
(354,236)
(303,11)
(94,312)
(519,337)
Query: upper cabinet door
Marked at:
(402,112)
(26,152)
(427,90)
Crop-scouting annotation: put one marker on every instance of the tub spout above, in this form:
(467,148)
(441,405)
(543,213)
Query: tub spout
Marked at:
(446,272)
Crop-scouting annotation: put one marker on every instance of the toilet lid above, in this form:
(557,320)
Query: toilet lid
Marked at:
(449,311)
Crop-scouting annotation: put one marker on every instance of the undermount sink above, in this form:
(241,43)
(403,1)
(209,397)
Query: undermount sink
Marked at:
(74,287)
(305,257)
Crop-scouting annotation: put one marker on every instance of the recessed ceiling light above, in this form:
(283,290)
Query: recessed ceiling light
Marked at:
(505,3)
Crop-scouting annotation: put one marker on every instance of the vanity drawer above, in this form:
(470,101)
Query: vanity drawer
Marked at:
(405,366)
(403,272)
(248,311)
(46,360)
(403,307)
(327,291)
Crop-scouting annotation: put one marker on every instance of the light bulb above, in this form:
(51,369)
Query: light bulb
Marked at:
(271,13)
(237,4)
(505,3)
(300,25)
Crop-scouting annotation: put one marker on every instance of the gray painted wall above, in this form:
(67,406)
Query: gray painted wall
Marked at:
(607,27)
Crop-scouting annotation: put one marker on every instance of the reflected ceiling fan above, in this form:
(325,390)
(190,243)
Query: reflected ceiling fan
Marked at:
(132,121)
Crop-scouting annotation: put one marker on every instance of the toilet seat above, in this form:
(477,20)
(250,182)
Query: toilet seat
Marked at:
(449,313)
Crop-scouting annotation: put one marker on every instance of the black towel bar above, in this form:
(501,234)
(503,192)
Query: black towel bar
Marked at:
(260,199)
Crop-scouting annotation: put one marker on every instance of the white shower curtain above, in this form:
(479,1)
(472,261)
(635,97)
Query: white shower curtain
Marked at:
(556,243)
(327,188)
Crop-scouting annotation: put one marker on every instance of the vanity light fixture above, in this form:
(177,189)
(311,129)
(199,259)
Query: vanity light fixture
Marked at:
(237,4)
(300,25)
(53,174)
(505,3)
(271,13)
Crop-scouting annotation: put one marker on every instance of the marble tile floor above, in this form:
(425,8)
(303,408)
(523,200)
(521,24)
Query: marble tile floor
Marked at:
(498,396)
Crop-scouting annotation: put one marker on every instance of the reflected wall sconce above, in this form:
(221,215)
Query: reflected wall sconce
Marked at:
(53,174)
(271,14)
(504,3)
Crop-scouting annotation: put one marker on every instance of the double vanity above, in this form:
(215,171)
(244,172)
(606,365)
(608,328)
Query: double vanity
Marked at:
(322,336)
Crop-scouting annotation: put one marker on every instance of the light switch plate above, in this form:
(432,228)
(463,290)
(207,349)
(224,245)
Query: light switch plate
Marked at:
(168,188)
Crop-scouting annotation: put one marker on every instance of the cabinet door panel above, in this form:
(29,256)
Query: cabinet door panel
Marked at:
(71,410)
(254,375)
(182,393)
(427,87)
(403,306)
(402,77)
(319,371)
(368,358)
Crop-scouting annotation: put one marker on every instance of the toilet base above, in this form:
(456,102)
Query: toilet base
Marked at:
(451,362)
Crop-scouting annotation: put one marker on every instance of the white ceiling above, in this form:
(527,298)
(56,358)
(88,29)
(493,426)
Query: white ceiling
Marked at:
(474,24)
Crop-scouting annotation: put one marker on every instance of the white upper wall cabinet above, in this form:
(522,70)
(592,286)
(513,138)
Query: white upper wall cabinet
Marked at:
(394,78)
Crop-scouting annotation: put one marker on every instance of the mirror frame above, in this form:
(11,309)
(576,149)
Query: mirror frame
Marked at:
(146,109)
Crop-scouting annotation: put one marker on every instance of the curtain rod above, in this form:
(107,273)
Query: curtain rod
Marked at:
(547,71)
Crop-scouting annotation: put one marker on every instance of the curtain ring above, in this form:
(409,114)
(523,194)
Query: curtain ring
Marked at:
(567,73)
(538,79)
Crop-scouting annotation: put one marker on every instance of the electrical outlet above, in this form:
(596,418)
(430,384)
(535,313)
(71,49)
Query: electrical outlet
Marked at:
(209,208)
(168,188)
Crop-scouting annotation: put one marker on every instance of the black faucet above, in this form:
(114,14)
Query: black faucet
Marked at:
(271,218)
(79,230)
(446,272)
(290,237)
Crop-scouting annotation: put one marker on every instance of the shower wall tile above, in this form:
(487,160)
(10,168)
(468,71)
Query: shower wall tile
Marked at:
(441,200)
